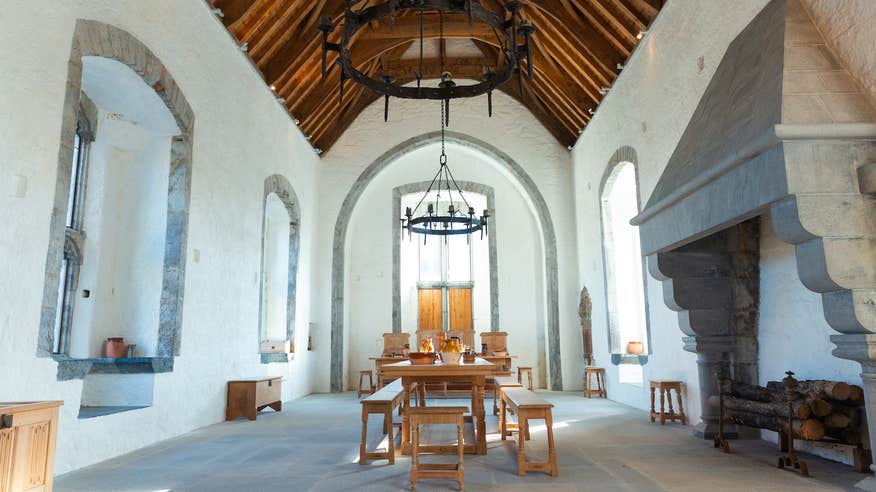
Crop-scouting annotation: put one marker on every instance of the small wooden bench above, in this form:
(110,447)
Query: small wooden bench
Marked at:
(528,406)
(383,401)
(498,382)
(437,415)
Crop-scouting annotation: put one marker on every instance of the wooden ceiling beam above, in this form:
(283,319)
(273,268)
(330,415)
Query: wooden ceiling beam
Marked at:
(599,24)
(459,67)
(284,24)
(232,10)
(408,28)
(607,9)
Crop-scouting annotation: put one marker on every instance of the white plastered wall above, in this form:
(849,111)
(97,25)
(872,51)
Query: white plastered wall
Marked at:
(512,129)
(369,259)
(241,136)
(648,109)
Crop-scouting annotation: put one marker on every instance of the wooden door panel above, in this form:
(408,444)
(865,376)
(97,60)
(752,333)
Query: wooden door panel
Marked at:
(430,309)
(460,309)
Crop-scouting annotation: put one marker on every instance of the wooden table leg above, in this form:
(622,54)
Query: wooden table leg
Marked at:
(481,434)
(406,418)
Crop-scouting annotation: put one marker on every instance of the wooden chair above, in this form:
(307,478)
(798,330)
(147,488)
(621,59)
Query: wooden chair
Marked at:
(370,389)
(599,374)
(528,406)
(665,387)
(395,343)
(528,371)
(384,401)
(436,415)
(497,341)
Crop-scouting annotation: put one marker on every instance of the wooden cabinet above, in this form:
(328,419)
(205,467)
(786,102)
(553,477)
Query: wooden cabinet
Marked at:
(247,396)
(28,432)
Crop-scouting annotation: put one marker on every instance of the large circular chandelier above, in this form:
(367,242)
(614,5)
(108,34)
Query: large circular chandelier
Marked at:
(507,28)
(457,219)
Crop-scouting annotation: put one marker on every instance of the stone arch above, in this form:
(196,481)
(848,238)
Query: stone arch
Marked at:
(530,190)
(468,187)
(94,38)
(625,154)
(281,187)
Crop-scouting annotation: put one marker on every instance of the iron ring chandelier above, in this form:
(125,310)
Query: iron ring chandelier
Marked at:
(507,29)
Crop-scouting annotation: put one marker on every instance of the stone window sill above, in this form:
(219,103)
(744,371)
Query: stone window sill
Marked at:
(277,357)
(639,360)
(70,368)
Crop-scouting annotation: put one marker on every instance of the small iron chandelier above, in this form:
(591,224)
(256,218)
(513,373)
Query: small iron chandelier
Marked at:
(455,222)
(508,30)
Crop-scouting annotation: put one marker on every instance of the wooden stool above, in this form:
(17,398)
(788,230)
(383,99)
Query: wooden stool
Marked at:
(664,388)
(600,391)
(370,389)
(528,372)
(436,415)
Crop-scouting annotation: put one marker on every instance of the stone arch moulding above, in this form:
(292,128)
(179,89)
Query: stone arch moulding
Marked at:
(621,155)
(281,187)
(94,38)
(421,187)
(542,213)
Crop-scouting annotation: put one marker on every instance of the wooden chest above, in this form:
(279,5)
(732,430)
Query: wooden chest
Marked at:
(28,432)
(246,397)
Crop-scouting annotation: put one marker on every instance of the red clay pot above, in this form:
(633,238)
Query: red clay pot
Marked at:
(114,347)
(635,348)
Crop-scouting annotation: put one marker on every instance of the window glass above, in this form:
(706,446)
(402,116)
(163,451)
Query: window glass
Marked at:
(430,258)
(459,258)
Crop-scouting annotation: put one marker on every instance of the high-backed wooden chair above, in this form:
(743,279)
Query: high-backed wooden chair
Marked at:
(424,334)
(497,341)
(466,336)
(395,343)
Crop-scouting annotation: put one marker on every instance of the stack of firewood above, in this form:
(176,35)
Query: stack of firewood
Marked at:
(822,409)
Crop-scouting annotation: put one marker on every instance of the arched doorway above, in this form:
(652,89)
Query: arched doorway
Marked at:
(528,189)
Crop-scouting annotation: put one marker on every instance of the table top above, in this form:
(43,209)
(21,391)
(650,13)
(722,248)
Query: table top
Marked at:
(256,380)
(27,406)
(405,368)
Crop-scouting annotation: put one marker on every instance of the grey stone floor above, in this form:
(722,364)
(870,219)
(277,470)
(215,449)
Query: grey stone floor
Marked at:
(313,446)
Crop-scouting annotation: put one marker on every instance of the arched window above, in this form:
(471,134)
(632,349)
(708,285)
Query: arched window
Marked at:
(624,277)
(279,271)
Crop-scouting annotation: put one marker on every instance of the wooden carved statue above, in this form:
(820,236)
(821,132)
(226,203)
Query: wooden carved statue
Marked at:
(585,308)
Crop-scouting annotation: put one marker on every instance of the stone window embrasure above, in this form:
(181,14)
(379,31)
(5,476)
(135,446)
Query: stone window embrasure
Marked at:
(627,317)
(93,38)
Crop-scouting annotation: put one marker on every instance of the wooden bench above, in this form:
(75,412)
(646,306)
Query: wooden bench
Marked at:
(383,401)
(437,415)
(528,406)
(499,381)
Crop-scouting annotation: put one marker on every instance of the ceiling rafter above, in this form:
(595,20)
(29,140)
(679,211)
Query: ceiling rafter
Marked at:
(575,52)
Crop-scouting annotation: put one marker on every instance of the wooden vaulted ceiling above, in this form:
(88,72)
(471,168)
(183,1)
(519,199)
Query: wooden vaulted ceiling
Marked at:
(579,48)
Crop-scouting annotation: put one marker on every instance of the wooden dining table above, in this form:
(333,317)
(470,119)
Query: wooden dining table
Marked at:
(475,373)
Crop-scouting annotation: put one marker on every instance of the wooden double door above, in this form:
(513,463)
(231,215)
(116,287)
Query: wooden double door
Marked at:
(446,309)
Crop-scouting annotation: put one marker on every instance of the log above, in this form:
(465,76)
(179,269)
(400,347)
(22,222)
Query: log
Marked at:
(752,392)
(809,429)
(856,395)
(821,408)
(836,421)
(776,409)
(815,389)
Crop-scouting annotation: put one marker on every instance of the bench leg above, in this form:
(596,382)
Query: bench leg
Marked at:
(362,459)
(521,440)
(503,430)
(415,459)
(460,450)
(552,450)
(390,447)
